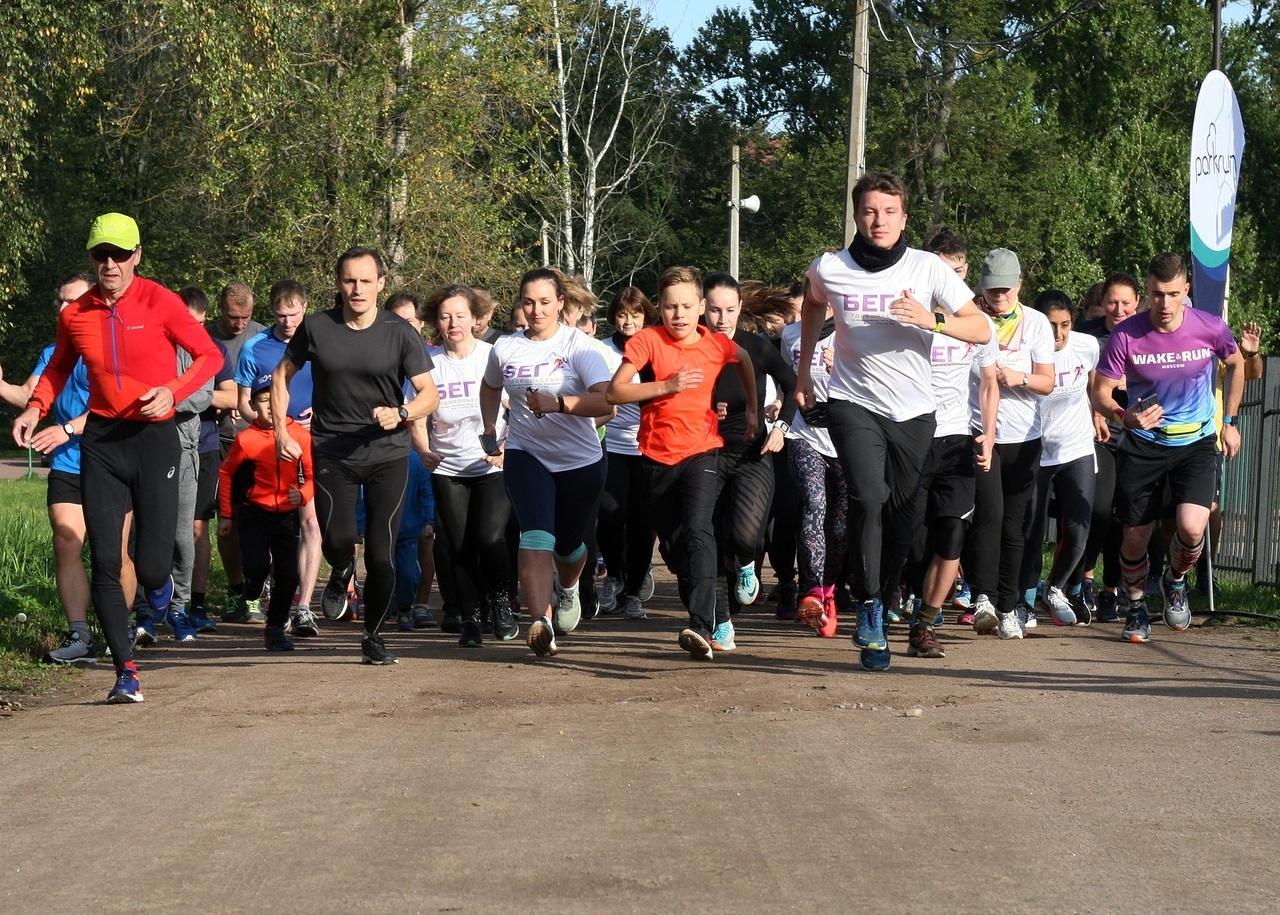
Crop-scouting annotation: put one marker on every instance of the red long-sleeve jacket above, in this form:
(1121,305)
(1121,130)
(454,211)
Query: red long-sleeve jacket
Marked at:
(128,349)
(272,478)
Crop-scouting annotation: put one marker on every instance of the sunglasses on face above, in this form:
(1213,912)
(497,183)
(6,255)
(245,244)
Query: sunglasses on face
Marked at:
(102,255)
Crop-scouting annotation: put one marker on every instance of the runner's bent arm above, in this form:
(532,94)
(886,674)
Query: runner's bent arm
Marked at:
(286,448)
(813,314)
(1232,389)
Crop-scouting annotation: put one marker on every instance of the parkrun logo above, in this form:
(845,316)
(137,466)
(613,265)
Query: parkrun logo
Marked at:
(1213,163)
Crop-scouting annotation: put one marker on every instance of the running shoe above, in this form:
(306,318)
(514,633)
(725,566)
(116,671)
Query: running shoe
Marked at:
(542,637)
(923,643)
(874,659)
(127,688)
(588,599)
(1084,612)
(697,643)
(1107,612)
(1088,596)
(374,651)
(812,608)
(238,612)
(984,615)
(422,618)
(1027,617)
(472,634)
(333,599)
(962,598)
(305,622)
(632,609)
(451,621)
(1060,609)
(786,609)
(870,632)
(144,632)
(830,617)
(160,598)
(1204,583)
(256,613)
(1177,612)
(568,609)
(201,620)
(274,639)
(646,587)
(747,588)
(1009,625)
(404,619)
(722,638)
(1137,626)
(607,600)
(178,621)
(505,626)
(73,650)
(965,618)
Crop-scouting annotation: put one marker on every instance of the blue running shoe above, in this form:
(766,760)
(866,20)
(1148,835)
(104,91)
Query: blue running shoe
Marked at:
(1137,627)
(748,586)
(870,631)
(274,639)
(127,688)
(1177,612)
(183,631)
(201,620)
(159,599)
(874,659)
(404,620)
(722,638)
(144,632)
(963,597)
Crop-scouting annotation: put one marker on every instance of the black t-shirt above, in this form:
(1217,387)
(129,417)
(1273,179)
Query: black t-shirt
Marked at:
(765,360)
(353,371)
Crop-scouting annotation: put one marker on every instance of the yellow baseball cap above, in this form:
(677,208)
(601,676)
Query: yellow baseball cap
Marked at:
(114,229)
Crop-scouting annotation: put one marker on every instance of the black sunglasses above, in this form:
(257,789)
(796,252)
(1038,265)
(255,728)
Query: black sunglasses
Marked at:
(101,255)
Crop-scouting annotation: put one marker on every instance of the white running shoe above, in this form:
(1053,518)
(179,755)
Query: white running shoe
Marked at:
(1009,625)
(1060,609)
(568,608)
(984,615)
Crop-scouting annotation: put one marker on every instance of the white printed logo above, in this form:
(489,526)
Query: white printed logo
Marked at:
(169,475)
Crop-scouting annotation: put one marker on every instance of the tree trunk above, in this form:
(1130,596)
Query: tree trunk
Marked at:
(398,180)
(566,161)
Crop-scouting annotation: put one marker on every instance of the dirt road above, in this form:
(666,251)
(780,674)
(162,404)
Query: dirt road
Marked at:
(1069,772)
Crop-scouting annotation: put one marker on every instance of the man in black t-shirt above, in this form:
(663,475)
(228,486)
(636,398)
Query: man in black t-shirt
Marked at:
(360,357)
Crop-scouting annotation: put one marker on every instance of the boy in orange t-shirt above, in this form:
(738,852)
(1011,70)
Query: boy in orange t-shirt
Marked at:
(680,443)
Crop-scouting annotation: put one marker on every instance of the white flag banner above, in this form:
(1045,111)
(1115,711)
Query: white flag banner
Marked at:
(1217,146)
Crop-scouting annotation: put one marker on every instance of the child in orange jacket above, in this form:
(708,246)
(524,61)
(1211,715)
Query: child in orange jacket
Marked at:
(265,493)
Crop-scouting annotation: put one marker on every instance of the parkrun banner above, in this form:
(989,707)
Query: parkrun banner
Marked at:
(1217,145)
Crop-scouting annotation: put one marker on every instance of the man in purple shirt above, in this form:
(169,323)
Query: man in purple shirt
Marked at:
(1166,357)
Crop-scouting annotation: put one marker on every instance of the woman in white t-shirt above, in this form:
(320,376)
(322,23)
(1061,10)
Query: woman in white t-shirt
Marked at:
(471,500)
(555,381)
(1024,371)
(1068,467)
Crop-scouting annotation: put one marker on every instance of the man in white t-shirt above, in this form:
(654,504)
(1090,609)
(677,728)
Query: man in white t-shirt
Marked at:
(889,302)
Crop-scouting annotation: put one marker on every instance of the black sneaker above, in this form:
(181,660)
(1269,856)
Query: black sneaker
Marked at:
(1107,612)
(374,650)
(505,626)
(333,601)
(238,612)
(472,634)
(451,621)
(588,599)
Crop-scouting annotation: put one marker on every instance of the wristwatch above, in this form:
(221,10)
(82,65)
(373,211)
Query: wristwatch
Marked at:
(69,429)
(783,425)
(940,319)
(1228,420)
(404,413)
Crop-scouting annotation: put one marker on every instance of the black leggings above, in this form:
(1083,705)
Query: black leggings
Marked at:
(1105,533)
(626,537)
(471,531)
(337,489)
(784,525)
(1073,484)
(882,461)
(269,546)
(126,464)
(1001,521)
(742,509)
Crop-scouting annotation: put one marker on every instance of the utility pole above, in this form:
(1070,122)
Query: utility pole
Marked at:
(733,216)
(857,113)
(1217,34)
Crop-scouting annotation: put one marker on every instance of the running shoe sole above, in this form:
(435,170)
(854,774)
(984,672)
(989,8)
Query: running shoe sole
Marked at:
(696,644)
(985,621)
(542,638)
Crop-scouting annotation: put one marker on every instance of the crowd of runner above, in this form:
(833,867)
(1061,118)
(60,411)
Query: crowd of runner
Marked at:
(892,441)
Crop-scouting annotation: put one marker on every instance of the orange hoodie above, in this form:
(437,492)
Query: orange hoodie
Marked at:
(254,450)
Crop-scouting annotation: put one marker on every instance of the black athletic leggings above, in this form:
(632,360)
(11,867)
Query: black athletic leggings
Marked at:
(625,535)
(471,530)
(337,488)
(1105,533)
(1073,484)
(269,546)
(1001,522)
(882,461)
(784,524)
(127,464)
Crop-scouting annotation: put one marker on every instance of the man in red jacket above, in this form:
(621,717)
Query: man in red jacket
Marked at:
(127,329)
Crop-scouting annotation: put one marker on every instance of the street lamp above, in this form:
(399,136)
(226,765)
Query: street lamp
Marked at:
(750,204)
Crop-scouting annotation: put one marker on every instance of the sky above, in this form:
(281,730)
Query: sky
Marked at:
(683,18)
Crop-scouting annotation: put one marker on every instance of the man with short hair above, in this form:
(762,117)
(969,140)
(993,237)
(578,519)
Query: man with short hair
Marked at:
(234,327)
(1166,357)
(127,329)
(890,303)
